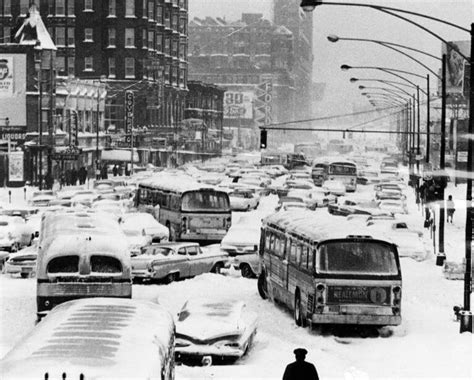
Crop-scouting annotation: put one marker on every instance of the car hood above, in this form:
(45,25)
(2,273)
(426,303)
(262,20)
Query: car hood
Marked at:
(199,328)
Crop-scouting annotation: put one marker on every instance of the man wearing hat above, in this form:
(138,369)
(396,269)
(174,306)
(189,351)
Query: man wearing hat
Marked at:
(300,369)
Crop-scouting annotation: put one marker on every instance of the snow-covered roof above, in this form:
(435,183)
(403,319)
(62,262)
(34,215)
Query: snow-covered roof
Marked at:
(179,183)
(34,32)
(96,337)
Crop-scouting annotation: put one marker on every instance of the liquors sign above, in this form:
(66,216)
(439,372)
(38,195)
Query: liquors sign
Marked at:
(6,76)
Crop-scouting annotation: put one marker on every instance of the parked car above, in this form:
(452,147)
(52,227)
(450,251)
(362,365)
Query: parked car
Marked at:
(209,329)
(103,185)
(352,206)
(14,233)
(394,206)
(334,187)
(390,194)
(287,200)
(22,262)
(368,177)
(41,200)
(241,242)
(173,261)
(145,221)
(243,200)
(136,238)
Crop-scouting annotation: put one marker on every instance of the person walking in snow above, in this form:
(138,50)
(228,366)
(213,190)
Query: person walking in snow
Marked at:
(450,209)
(300,369)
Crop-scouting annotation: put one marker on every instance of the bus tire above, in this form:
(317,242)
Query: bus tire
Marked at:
(246,271)
(298,311)
(262,286)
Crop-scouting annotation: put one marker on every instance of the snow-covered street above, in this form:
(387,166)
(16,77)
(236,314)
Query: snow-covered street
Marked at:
(426,345)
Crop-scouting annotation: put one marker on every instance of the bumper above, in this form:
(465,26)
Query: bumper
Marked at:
(144,274)
(215,235)
(357,319)
(198,351)
(16,269)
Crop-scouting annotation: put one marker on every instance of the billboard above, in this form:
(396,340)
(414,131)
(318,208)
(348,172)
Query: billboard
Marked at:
(15,166)
(455,65)
(238,104)
(13,89)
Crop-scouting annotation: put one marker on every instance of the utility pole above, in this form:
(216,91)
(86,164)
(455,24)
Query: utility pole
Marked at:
(441,255)
(40,125)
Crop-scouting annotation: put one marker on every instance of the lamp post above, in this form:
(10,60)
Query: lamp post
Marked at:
(310,5)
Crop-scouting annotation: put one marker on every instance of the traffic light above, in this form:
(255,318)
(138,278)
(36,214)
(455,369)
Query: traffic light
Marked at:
(263,139)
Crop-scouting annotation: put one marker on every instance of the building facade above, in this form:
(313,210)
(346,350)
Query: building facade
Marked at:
(252,59)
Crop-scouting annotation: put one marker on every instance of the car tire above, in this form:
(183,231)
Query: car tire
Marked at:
(246,271)
(298,311)
(262,286)
(217,268)
(171,277)
(24,275)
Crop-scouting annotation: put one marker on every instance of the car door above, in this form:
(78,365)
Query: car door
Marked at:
(183,263)
(197,262)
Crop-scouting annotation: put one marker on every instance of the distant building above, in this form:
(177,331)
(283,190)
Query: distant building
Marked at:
(252,58)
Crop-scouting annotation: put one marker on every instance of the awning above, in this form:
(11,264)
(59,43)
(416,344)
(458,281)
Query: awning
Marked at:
(119,155)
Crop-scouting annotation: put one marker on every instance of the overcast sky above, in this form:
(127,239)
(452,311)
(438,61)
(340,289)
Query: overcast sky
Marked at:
(358,22)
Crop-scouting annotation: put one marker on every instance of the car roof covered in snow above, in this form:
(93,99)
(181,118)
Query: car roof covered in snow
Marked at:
(178,183)
(96,337)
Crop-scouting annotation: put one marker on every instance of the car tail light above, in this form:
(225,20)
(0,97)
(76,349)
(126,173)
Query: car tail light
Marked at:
(320,297)
(184,224)
(397,299)
(227,223)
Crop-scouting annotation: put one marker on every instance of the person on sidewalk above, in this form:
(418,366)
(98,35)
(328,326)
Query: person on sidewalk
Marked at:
(450,209)
(300,369)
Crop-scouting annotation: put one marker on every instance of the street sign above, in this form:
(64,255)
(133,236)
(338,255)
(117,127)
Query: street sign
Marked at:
(129,108)
(462,156)
(71,153)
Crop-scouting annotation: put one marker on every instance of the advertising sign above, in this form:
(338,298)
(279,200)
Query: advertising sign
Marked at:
(129,105)
(455,65)
(13,89)
(15,166)
(6,76)
(238,104)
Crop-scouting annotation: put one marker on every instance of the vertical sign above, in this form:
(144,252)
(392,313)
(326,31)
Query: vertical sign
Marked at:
(129,105)
(74,129)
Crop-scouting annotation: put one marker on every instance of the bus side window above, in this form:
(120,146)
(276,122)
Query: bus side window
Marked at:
(271,246)
(304,257)
(311,259)
(293,251)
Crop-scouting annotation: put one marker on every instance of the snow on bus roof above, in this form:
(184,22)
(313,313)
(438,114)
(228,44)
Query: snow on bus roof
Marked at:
(312,226)
(175,182)
(97,337)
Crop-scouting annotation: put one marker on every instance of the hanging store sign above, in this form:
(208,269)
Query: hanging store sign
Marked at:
(71,153)
(129,107)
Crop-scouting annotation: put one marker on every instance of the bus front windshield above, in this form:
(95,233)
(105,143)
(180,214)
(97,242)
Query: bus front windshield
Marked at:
(357,257)
(343,169)
(205,201)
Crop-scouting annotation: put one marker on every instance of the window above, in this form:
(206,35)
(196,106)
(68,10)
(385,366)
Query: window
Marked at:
(7,8)
(61,64)
(112,8)
(144,12)
(159,42)
(60,8)
(88,64)
(129,68)
(130,8)
(151,39)
(64,264)
(144,39)
(88,35)
(304,257)
(24,6)
(112,37)
(88,5)
(105,264)
(159,14)
(6,34)
(111,67)
(151,13)
(60,36)
(193,251)
(71,40)
(129,37)
(70,8)
(70,65)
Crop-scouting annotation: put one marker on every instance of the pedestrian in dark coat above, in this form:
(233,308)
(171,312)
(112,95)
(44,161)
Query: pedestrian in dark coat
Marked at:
(73,176)
(300,369)
(82,175)
(115,170)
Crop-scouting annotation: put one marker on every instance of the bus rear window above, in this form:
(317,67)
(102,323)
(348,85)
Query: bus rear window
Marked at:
(64,264)
(105,264)
(357,257)
(204,201)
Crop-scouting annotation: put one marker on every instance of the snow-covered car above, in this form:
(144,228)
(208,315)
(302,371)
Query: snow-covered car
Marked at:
(145,221)
(3,258)
(306,196)
(394,206)
(14,233)
(34,222)
(113,207)
(389,194)
(243,200)
(103,185)
(84,198)
(334,187)
(351,206)
(289,201)
(209,329)
(275,170)
(368,177)
(241,242)
(41,200)
(173,261)
(300,184)
(22,262)
(136,238)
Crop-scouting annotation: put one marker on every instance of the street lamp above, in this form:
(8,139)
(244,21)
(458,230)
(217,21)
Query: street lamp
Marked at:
(395,92)
(310,5)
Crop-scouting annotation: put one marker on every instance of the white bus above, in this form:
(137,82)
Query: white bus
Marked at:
(96,338)
(344,171)
(325,274)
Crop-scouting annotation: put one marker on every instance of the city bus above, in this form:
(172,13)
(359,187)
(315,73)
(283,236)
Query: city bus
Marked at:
(80,255)
(319,171)
(344,171)
(97,338)
(192,211)
(325,275)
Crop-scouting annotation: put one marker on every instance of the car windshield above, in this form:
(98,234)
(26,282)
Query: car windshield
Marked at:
(357,257)
(205,201)
(342,169)
(130,232)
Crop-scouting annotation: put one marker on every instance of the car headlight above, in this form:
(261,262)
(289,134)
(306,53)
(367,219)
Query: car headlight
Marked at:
(227,247)
(227,343)
(182,342)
